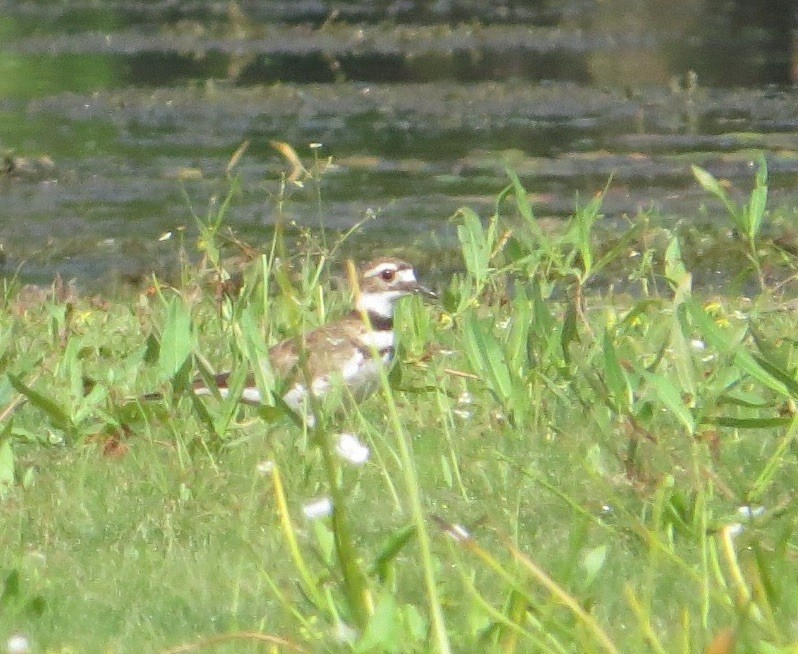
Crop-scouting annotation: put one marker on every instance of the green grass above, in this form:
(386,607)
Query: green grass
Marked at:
(553,468)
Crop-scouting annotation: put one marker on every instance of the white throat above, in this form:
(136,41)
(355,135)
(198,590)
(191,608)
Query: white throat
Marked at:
(380,304)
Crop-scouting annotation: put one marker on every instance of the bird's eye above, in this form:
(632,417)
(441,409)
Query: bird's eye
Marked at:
(388,275)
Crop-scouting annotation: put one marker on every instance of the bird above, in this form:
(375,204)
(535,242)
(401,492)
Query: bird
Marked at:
(347,353)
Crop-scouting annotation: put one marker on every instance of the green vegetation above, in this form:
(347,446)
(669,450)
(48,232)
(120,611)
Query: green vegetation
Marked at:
(551,469)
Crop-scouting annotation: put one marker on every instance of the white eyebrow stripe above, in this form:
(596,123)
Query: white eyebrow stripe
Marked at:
(406,275)
(376,270)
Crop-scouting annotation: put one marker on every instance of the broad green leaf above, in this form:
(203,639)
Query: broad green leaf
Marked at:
(539,239)
(677,274)
(746,400)
(257,352)
(6,462)
(716,339)
(712,185)
(70,362)
(675,270)
(708,181)
(176,340)
(416,625)
(569,333)
(11,588)
(390,549)
(671,396)
(543,321)
(763,647)
(88,405)
(522,202)
(325,542)
(384,629)
(757,203)
(474,245)
(748,423)
(518,339)
(487,359)
(592,563)
(614,375)
(682,356)
(620,248)
(777,461)
(230,404)
(585,217)
(57,415)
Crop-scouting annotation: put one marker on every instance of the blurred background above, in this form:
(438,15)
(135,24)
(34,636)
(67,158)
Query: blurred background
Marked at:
(118,119)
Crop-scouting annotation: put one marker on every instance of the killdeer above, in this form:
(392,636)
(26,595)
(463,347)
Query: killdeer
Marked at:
(347,353)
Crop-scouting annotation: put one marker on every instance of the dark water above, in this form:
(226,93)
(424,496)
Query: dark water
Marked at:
(117,120)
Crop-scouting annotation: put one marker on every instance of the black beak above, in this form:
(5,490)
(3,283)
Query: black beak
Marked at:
(426,292)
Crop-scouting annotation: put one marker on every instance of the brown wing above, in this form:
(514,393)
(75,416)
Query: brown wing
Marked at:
(284,358)
(327,348)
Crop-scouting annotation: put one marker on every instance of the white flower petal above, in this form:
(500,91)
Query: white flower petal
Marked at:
(351,449)
(465,398)
(265,467)
(345,634)
(319,509)
(734,529)
(751,512)
(18,644)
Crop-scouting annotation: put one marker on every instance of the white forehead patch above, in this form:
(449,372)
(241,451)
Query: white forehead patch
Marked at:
(406,275)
